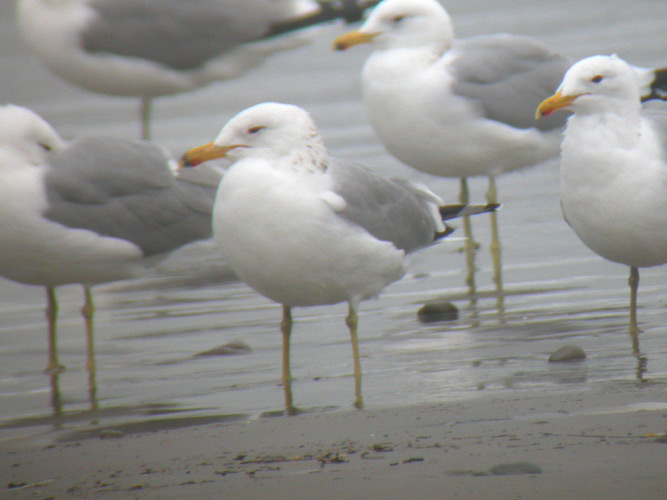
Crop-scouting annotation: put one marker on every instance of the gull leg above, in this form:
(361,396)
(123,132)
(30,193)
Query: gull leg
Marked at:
(87,311)
(351,321)
(633,281)
(469,245)
(145,117)
(634,330)
(52,316)
(495,248)
(286,329)
(54,368)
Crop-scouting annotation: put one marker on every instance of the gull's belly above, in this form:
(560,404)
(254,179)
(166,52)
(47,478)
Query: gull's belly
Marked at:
(289,245)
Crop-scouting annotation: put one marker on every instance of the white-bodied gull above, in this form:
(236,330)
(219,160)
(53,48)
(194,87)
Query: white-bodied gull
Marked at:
(613,166)
(303,228)
(94,211)
(458,107)
(149,48)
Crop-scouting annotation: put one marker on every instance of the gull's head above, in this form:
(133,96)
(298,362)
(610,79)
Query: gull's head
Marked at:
(403,24)
(594,84)
(25,137)
(271,131)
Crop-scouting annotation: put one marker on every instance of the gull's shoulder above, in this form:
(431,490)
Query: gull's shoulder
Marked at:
(507,76)
(655,113)
(393,210)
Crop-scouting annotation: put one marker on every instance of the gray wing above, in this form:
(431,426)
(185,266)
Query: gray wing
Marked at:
(656,112)
(391,210)
(508,76)
(125,190)
(182,34)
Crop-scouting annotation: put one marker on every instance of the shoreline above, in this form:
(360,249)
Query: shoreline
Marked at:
(606,442)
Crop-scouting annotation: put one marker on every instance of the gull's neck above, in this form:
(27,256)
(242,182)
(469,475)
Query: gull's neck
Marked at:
(311,158)
(401,62)
(618,124)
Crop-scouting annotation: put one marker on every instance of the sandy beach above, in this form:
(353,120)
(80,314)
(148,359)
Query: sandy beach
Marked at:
(607,443)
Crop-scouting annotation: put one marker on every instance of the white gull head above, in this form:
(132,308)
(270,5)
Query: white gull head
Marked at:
(281,133)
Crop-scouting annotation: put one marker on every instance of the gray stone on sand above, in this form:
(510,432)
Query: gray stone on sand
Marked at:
(229,349)
(567,353)
(438,311)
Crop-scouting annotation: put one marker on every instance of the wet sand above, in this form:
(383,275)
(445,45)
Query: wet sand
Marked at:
(603,444)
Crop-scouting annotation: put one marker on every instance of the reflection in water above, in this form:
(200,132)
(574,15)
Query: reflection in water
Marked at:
(56,398)
(642,367)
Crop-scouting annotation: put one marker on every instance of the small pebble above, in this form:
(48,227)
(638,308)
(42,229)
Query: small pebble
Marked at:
(567,353)
(438,311)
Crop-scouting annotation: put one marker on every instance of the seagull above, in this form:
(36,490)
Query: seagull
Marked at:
(303,228)
(613,169)
(460,107)
(148,48)
(97,210)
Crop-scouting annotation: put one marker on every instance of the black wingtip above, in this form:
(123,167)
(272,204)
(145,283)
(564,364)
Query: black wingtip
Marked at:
(448,212)
(349,11)
(658,87)
(448,230)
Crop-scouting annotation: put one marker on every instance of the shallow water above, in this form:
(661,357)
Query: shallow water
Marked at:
(148,332)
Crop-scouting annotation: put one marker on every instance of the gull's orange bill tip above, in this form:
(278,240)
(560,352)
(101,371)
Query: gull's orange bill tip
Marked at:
(352,38)
(211,151)
(554,103)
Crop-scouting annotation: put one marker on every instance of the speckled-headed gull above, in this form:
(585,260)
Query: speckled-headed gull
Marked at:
(458,107)
(613,166)
(148,48)
(303,228)
(94,211)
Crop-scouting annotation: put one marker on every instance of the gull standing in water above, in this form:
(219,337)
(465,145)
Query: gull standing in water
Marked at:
(613,167)
(97,210)
(461,107)
(149,48)
(303,228)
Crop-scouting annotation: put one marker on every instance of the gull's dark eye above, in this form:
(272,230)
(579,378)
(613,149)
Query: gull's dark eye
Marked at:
(596,79)
(45,147)
(397,19)
(255,129)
